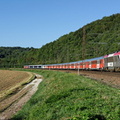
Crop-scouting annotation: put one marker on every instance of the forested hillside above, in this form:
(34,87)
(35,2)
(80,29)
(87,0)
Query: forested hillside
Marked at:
(92,40)
(13,56)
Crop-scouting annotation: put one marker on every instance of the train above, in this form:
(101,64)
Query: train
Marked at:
(110,62)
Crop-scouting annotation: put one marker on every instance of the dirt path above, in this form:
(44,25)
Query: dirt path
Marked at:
(15,102)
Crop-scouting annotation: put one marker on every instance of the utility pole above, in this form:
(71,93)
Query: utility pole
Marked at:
(78,68)
(84,44)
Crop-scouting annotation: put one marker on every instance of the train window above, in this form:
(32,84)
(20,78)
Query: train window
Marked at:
(101,61)
(87,63)
(116,58)
(94,62)
(110,59)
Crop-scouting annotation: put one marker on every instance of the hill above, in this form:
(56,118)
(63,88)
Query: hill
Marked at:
(92,40)
(95,39)
(13,56)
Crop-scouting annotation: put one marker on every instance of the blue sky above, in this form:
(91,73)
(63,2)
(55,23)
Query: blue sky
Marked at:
(33,23)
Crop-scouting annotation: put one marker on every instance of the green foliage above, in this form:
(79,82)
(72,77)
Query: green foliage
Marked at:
(65,96)
(13,56)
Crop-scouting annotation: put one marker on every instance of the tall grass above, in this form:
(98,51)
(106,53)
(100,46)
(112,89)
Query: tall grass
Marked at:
(66,96)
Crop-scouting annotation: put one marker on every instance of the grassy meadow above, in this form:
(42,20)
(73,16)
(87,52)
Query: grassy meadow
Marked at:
(66,96)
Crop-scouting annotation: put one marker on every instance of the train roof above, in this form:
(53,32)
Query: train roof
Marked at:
(113,54)
(87,60)
(92,59)
(33,65)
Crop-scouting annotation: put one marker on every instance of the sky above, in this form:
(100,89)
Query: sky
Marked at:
(34,23)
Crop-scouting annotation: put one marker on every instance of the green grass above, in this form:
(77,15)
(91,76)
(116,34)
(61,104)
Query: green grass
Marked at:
(66,96)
